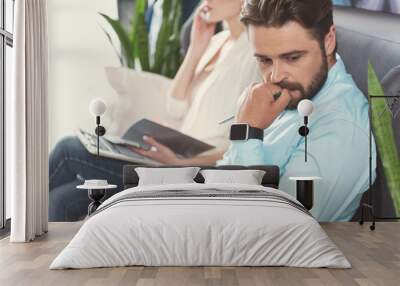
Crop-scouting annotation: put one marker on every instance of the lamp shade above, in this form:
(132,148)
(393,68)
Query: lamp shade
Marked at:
(305,107)
(97,107)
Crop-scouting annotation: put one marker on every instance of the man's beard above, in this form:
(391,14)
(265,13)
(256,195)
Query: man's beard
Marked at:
(315,86)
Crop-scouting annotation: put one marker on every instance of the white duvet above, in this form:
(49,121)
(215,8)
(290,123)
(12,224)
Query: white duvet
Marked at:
(200,231)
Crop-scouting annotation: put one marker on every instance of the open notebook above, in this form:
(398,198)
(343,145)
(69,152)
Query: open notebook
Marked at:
(117,148)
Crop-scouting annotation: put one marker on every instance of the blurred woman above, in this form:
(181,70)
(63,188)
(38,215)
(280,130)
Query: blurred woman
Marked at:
(216,70)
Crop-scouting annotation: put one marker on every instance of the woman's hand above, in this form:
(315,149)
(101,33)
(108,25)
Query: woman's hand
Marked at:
(158,152)
(201,33)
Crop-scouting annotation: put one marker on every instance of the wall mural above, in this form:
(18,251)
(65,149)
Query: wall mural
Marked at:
(148,36)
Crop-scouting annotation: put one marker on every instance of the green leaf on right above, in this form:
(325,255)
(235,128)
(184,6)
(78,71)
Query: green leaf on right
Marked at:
(384,137)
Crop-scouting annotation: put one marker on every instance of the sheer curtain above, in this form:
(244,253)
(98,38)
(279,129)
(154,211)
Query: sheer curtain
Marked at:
(26,123)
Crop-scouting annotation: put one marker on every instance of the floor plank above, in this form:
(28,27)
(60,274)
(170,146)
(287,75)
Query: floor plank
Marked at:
(375,257)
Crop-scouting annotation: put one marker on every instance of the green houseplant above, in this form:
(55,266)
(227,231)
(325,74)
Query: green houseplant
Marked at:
(384,136)
(135,43)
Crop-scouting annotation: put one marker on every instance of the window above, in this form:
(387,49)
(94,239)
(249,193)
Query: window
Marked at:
(6,44)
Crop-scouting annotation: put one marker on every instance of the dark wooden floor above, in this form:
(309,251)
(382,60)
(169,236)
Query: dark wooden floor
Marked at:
(375,257)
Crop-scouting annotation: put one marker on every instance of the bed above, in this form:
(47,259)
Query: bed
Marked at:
(201,224)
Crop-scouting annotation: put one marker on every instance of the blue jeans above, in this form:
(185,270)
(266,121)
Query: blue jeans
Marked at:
(69,164)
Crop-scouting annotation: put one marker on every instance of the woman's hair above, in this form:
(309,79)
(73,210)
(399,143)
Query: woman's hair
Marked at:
(314,15)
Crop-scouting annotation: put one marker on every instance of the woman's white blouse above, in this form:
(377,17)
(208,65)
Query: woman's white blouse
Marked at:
(214,94)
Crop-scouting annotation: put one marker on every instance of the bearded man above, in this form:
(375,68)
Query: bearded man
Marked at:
(295,44)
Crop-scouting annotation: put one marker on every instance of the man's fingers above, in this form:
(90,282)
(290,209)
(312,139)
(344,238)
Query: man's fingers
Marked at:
(282,102)
(265,89)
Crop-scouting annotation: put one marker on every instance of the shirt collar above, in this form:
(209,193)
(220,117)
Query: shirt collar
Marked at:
(335,72)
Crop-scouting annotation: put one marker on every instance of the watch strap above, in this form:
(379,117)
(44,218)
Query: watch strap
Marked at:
(256,133)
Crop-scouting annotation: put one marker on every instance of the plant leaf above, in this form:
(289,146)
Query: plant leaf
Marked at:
(384,136)
(162,39)
(141,46)
(123,37)
(114,47)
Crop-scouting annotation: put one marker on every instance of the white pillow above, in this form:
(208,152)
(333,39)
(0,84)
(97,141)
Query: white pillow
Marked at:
(139,95)
(247,177)
(165,176)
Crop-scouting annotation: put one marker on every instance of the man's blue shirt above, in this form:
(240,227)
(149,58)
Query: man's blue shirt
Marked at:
(341,2)
(338,147)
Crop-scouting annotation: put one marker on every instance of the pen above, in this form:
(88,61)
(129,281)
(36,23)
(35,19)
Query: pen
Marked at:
(276,96)
(226,120)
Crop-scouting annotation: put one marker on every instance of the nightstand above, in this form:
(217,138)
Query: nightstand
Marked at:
(96,192)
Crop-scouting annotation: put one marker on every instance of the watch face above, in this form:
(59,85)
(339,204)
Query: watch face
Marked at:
(238,132)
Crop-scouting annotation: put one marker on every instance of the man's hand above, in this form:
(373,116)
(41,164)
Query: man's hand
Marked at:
(158,152)
(259,109)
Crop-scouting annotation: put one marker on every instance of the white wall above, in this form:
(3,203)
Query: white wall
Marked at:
(79,51)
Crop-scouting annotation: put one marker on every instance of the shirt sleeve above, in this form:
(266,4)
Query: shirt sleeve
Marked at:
(337,152)
(176,108)
(246,153)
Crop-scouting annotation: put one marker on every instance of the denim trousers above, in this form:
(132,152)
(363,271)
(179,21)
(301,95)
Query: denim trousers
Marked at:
(69,165)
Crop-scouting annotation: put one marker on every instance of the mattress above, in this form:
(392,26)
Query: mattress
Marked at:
(201,225)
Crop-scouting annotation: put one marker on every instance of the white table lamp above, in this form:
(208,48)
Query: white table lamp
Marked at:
(305,108)
(97,108)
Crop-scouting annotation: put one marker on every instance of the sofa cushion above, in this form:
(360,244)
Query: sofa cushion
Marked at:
(391,82)
(367,36)
(371,36)
(139,95)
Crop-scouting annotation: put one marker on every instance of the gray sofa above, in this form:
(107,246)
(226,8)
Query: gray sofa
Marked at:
(372,36)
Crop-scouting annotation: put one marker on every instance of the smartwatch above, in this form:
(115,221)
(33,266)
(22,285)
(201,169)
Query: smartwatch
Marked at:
(243,131)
